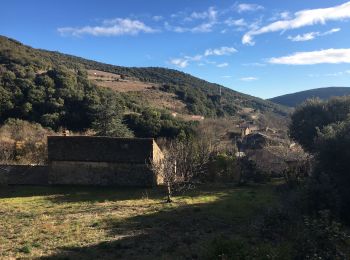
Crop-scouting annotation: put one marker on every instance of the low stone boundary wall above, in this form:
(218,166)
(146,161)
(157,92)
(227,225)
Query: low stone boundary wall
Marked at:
(101,173)
(79,173)
(24,174)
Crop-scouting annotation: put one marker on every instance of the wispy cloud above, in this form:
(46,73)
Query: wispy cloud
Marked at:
(311,35)
(240,8)
(226,77)
(209,16)
(179,62)
(222,65)
(114,27)
(301,19)
(157,18)
(236,22)
(247,79)
(220,51)
(184,61)
(254,64)
(332,56)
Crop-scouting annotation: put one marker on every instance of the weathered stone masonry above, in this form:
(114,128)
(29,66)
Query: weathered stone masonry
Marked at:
(86,160)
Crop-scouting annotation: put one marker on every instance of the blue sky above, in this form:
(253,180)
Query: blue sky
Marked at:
(263,48)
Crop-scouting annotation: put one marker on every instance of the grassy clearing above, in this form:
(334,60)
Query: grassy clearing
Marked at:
(109,223)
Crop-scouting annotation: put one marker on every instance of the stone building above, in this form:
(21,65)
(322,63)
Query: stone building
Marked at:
(86,160)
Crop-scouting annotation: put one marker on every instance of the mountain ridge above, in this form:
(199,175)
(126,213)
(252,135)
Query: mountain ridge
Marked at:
(296,98)
(58,78)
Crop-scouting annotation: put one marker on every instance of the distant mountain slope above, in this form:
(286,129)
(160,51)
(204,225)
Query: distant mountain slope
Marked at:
(57,89)
(293,99)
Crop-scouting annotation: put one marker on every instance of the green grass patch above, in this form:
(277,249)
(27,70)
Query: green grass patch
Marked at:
(109,223)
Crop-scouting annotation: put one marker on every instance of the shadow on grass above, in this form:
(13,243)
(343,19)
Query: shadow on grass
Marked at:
(80,193)
(174,232)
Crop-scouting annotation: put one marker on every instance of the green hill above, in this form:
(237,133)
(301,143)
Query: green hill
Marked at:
(58,90)
(293,99)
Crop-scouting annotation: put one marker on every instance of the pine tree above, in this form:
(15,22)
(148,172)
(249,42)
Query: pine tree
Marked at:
(108,120)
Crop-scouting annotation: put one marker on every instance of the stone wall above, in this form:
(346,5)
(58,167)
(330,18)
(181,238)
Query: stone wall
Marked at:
(101,173)
(86,160)
(83,160)
(24,174)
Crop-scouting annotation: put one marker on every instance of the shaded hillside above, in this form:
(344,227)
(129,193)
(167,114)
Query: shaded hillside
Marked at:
(56,90)
(294,99)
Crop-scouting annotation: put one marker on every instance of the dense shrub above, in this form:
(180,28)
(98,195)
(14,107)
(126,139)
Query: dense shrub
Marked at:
(323,128)
(156,123)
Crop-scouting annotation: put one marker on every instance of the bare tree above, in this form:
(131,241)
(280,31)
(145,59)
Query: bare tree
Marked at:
(296,161)
(182,163)
(166,169)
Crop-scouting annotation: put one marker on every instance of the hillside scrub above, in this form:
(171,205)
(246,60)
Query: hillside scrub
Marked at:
(53,89)
(23,142)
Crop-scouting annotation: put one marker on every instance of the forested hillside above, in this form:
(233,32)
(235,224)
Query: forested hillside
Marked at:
(294,99)
(54,90)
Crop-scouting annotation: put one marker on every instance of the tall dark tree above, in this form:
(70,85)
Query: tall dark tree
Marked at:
(108,120)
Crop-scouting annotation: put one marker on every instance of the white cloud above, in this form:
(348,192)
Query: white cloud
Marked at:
(236,22)
(304,37)
(311,35)
(285,15)
(301,19)
(226,77)
(209,17)
(254,64)
(248,8)
(222,65)
(115,27)
(248,79)
(184,61)
(201,28)
(181,63)
(210,14)
(220,51)
(194,58)
(157,18)
(280,15)
(332,56)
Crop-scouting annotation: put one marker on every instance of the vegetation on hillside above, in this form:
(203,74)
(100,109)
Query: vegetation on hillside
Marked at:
(53,89)
(40,87)
(294,99)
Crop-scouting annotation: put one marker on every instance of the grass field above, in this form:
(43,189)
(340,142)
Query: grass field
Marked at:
(110,223)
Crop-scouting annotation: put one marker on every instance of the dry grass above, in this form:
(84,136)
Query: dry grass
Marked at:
(110,223)
(114,82)
(146,91)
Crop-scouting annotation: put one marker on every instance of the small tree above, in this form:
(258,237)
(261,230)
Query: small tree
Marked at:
(183,162)
(166,169)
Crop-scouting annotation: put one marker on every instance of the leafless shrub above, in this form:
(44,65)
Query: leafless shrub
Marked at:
(23,142)
(183,161)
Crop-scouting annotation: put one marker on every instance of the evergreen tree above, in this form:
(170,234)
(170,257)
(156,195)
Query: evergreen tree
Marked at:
(108,120)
